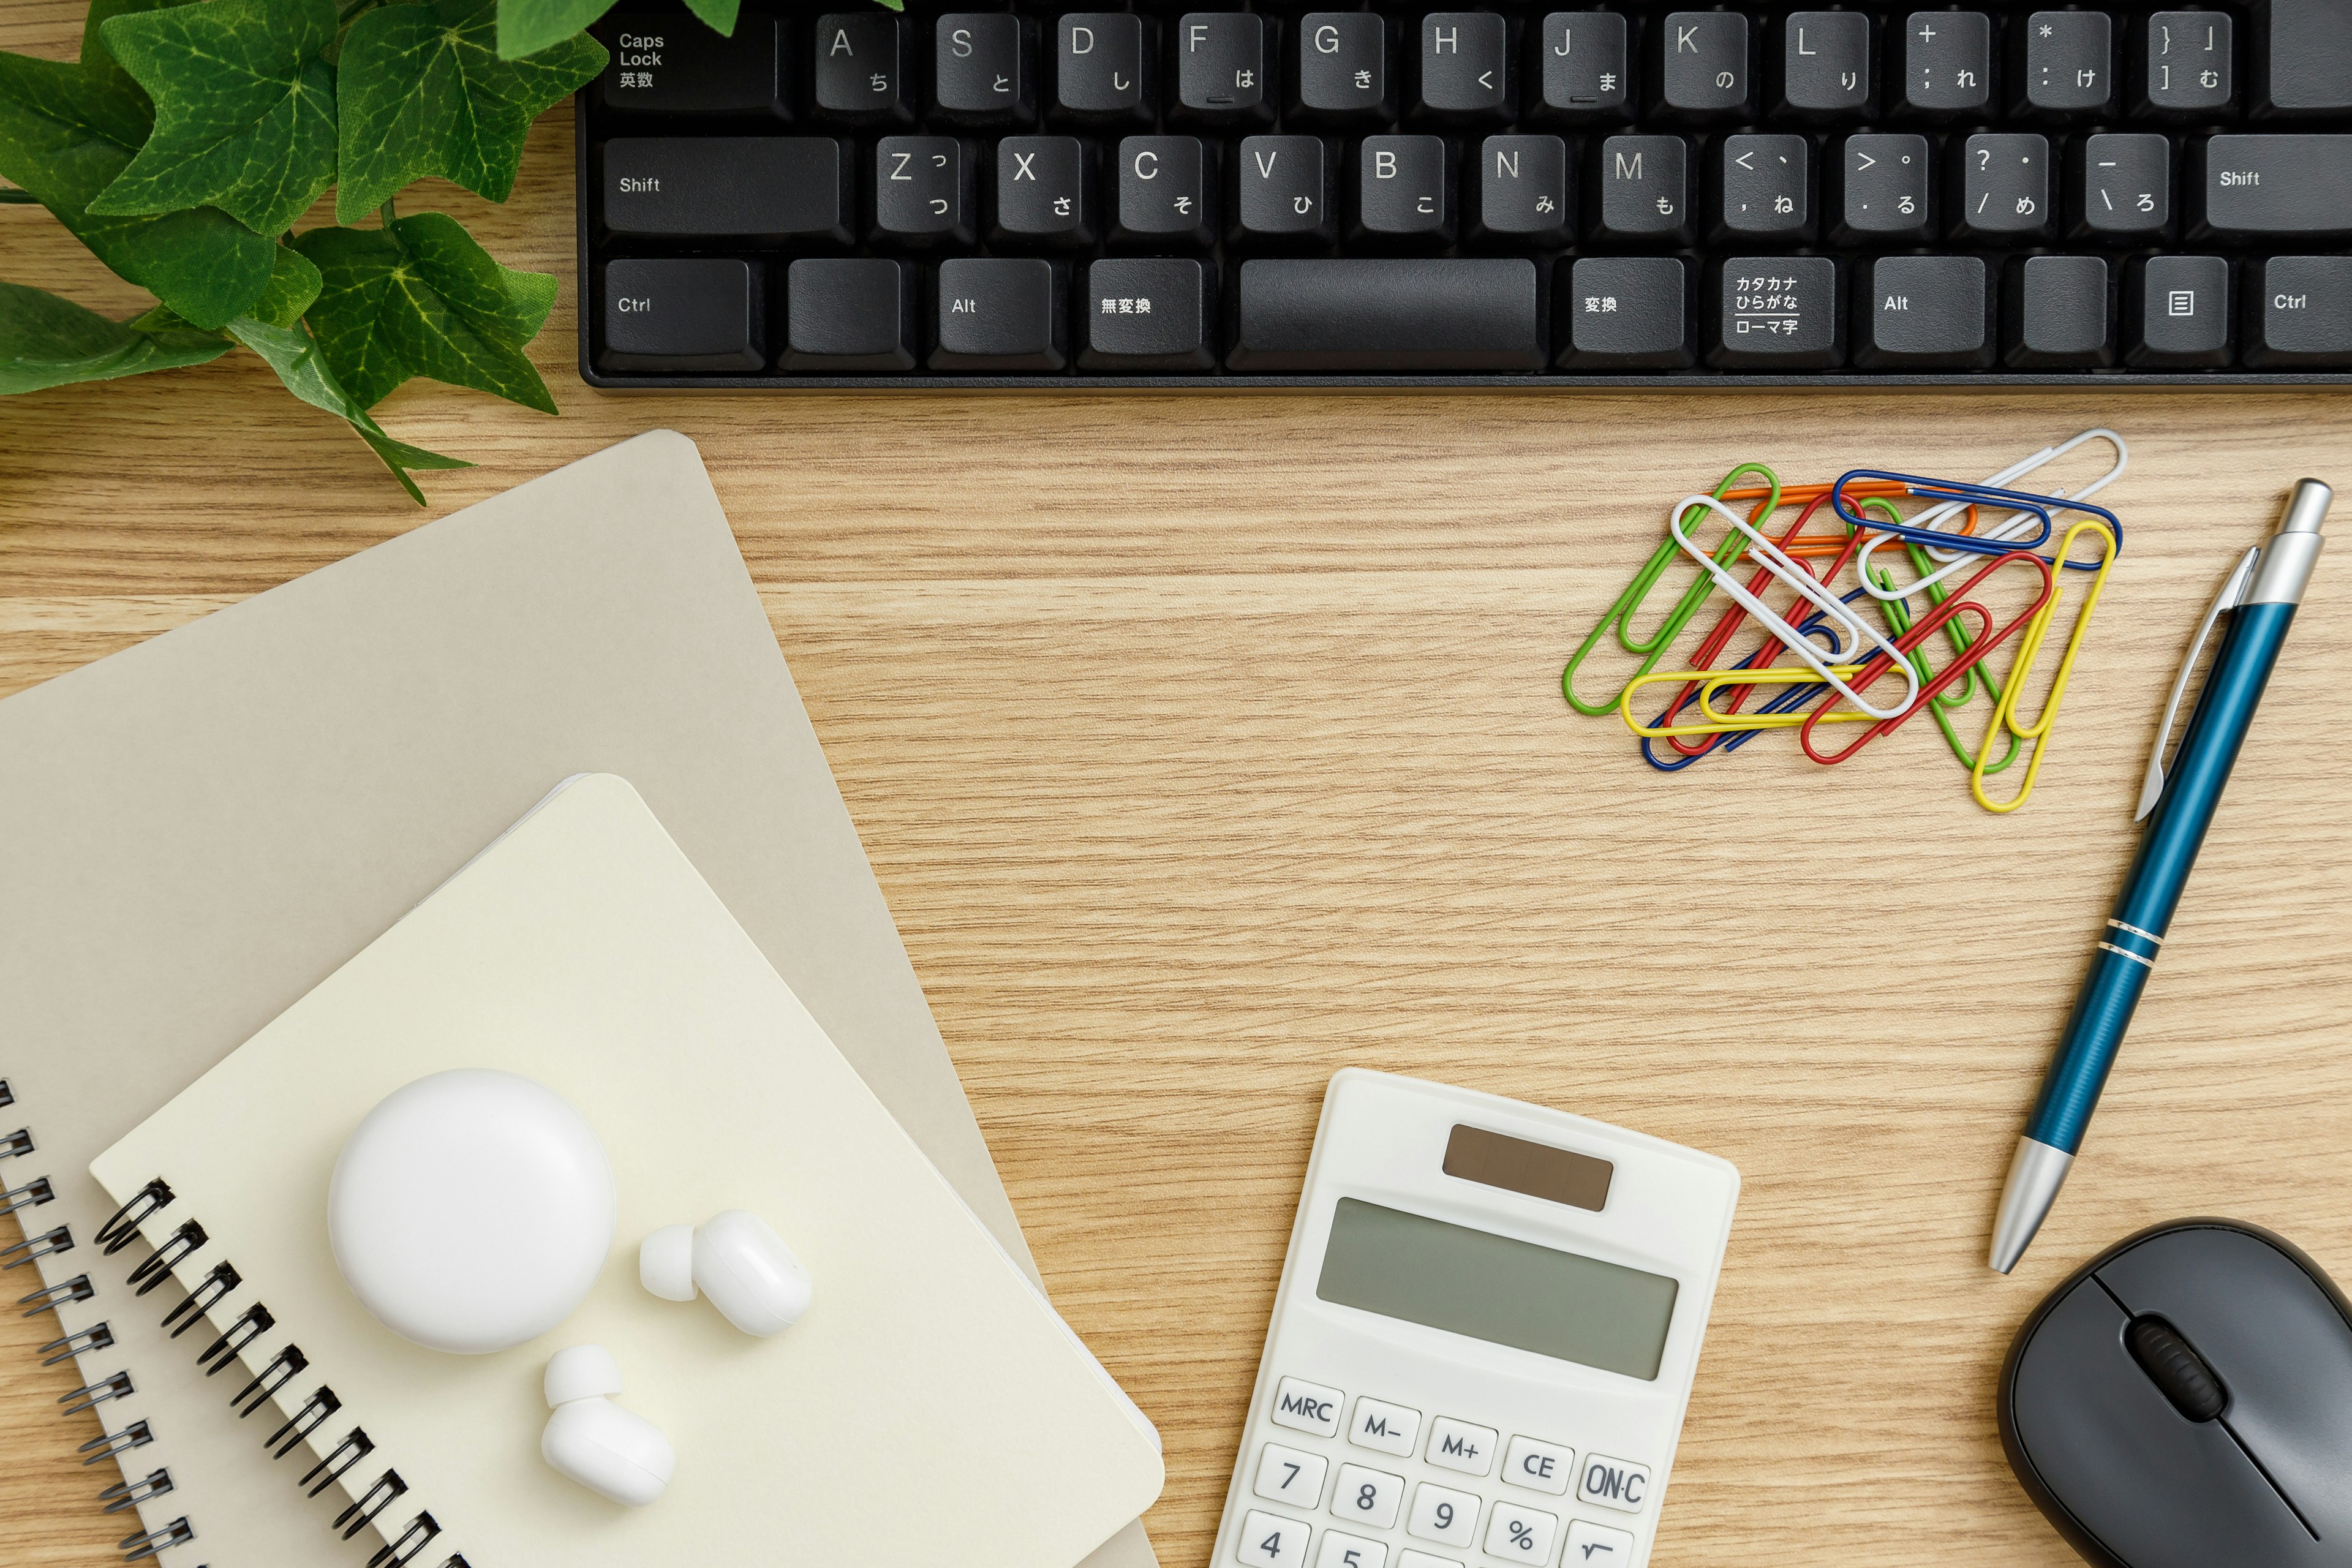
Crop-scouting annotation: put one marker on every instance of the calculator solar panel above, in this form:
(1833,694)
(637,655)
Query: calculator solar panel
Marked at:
(1037,195)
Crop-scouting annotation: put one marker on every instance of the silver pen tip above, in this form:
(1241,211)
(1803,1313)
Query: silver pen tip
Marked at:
(2036,1171)
(2306,507)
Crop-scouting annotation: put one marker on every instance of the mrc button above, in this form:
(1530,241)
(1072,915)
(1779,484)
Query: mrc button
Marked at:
(1307,1407)
(1613,1483)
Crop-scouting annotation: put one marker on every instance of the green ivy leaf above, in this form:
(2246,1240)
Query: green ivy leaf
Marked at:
(49,342)
(293,284)
(67,130)
(291,352)
(423,92)
(719,13)
(245,109)
(419,297)
(527,26)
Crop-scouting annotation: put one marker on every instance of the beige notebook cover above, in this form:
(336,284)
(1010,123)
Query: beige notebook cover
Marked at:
(927,1408)
(198,829)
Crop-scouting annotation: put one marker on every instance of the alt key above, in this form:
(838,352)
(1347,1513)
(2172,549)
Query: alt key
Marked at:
(683,315)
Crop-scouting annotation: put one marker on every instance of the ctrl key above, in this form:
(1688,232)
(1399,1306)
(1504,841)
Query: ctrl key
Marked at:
(683,315)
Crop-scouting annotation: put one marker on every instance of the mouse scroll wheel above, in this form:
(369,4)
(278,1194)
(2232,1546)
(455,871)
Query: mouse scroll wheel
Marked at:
(2175,1368)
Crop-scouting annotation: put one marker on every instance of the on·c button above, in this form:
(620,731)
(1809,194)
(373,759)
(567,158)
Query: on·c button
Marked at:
(1308,1406)
(1613,1483)
(1538,1465)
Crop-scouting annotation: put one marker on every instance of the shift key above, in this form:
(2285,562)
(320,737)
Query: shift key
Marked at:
(761,190)
(2272,186)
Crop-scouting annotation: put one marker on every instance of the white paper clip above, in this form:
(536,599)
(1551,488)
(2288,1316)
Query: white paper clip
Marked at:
(2008,528)
(1808,587)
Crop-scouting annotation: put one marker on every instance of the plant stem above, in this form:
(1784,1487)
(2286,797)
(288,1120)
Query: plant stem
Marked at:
(385,214)
(11,196)
(350,9)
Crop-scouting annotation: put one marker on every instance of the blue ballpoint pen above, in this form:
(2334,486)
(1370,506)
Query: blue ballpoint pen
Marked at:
(2259,599)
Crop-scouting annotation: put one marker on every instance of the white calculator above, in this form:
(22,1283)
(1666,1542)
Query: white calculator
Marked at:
(1485,1338)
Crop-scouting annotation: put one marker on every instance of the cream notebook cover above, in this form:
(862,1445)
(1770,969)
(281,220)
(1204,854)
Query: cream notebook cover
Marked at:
(928,1409)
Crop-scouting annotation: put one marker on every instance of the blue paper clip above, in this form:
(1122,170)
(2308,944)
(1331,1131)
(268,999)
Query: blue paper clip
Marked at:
(1957,491)
(1797,695)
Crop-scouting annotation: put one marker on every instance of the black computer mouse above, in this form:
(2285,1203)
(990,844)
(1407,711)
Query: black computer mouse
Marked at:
(2185,1400)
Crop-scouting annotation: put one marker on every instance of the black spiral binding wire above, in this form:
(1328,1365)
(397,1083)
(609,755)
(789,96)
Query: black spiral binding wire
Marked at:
(96,1337)
(138,1434)
(215,1287)
(130,1494)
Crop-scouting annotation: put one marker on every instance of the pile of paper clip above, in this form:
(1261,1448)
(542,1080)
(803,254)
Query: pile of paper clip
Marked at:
(1842,658)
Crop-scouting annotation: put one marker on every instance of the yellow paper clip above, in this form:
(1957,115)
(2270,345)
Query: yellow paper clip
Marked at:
(2004,716)
(1716,723)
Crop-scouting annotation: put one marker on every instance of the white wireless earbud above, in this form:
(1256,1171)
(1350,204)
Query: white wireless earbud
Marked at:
(611,1451)
(745,1269)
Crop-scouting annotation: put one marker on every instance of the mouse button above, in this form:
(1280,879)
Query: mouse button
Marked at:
(2157,1490)
(2277,1342)
(2176,1370)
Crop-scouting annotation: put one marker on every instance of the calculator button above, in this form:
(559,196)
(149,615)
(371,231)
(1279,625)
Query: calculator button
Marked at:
(1613,1483)
(1307,1407)
(1458,1446)
(1367,1497)
(1349,1551)
(1539,1467)
(1270,1540)
(1287,1475)
(1440,1513)
(1412,1559)
(1519,1534)
(1390,1428)
(1591,1545)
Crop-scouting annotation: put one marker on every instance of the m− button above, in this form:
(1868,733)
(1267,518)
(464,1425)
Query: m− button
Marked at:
(1307,1407)
(1458,1446)
(1613,1483)
(1538,1466)
(1390,1428)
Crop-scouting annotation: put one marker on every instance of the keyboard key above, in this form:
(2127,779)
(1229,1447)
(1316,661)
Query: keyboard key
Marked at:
(1522,190)
(1538,1466)
(1153,313)
(1588,69)
(1341,1551)
(764,190)
(1270,1540)
(1518,1534)
(861,67)
(1105,63)
(923,191)
(2121,187)
(1763,188)
(698,314)
(1388,1429)
(667,65)
(2301,57)
(1002,313)
(1045,192)
(2299,312)
(1465,67)
(1458,1446)
(1380,316)
(1167,192)
(2259,187)
(1298,1404)
(1367,1496)
(1591,1545)
(1884,191)
(2002,188)
(2176,312)
(849,316)
(1283,192)
(1775,313)
(1946,63)
(1222,61)
(1923,312)
(1825,66)
(1642,191)
(1619,1484)
(2064,63)
(1627,312)
(1291,1476)
(1703,67)
(2056,314)
(1403,190)
(1442,1515)
(2185,64)
(981,70)
(1343,66)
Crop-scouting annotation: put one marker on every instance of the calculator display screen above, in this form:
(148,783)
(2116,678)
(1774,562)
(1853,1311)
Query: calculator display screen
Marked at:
(1493,1287)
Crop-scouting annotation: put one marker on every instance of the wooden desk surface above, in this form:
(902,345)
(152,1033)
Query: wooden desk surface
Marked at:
(1207,745)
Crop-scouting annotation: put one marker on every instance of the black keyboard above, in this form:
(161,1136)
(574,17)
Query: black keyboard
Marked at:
(1032,195)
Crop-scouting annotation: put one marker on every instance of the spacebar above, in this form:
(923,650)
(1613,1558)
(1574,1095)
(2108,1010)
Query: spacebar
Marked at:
(1396,314)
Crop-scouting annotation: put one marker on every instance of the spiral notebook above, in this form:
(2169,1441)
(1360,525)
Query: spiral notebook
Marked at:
(197,830)
(929,1407)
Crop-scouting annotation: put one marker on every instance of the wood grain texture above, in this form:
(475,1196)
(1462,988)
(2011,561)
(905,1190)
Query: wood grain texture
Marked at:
(1204,746)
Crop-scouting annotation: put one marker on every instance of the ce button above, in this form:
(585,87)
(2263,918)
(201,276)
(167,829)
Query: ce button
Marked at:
(1538,1467)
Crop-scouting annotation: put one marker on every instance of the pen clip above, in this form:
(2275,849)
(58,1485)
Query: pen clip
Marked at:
(2151,788)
